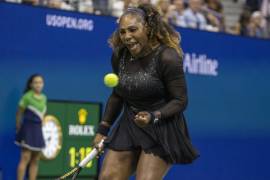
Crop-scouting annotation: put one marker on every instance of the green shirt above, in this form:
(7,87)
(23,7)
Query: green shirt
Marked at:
(38,105)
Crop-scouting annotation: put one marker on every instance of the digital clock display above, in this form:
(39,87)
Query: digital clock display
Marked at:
(77,155)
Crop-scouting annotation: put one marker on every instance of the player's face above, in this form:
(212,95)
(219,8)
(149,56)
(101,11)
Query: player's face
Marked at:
(133,34)
(37,84)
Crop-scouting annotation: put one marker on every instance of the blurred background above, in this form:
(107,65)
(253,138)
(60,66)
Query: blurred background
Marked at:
(226,61)
(239,17)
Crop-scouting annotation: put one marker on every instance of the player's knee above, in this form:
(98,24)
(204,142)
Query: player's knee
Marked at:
(148,176)
(108,175)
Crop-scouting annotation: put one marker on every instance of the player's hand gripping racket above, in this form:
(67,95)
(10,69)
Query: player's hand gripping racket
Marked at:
(75,172)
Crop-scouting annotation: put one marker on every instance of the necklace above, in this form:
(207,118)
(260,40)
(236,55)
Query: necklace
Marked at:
(132,58)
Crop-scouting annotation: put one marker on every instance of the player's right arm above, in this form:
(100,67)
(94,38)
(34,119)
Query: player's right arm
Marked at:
(113,107)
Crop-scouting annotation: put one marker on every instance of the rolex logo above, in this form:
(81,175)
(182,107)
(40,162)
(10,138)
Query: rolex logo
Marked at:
(82,113)
(81,129)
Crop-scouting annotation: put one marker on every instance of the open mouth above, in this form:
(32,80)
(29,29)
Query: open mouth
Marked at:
(132,46)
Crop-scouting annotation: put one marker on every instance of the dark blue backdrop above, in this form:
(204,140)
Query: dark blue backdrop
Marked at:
(227,114)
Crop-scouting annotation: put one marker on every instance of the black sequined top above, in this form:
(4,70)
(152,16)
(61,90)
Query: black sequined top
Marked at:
(155,82)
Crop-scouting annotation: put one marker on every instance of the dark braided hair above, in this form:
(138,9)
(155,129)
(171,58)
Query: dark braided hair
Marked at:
(159,30)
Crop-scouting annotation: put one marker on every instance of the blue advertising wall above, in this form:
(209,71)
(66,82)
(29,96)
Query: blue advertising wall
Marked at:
(228,81)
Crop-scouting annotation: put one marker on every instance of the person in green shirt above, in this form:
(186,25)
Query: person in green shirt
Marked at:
(32,108)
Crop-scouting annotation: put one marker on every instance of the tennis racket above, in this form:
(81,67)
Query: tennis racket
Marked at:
(76,171)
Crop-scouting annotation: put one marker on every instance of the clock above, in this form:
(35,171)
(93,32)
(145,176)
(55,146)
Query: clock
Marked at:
(52,133)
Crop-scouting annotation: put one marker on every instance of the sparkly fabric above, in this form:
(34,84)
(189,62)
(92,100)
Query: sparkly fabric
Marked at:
(154,82)
(139,82)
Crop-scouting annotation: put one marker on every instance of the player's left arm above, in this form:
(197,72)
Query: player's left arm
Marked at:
(172,74)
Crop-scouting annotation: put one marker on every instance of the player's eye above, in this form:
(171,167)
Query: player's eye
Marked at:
(122,32)
(132,29)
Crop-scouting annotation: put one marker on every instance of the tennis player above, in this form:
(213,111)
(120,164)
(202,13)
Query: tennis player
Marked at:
(151,133)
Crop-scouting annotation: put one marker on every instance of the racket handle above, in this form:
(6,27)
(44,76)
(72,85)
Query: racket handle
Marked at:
(88,158)
(91,155)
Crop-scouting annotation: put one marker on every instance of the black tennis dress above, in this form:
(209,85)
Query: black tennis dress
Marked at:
(155,82)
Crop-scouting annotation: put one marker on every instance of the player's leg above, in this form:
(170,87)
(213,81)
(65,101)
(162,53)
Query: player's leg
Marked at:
(24,160)
(151,167)
(118,165)
(33,166)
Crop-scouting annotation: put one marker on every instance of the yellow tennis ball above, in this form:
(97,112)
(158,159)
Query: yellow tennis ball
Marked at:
(111,80)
